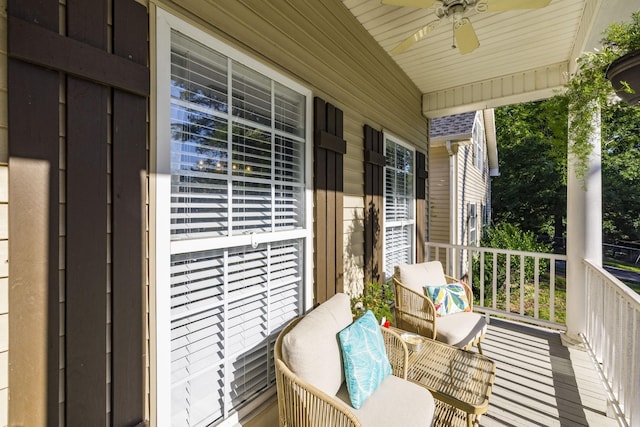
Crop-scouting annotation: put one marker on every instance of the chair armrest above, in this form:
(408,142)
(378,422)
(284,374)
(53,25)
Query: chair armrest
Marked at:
(414,312)
(397,352)
(300,403)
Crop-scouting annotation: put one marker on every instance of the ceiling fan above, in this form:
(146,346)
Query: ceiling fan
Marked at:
(465,36)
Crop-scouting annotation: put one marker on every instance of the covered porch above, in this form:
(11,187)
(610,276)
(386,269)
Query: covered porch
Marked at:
(261,91)
(539,381)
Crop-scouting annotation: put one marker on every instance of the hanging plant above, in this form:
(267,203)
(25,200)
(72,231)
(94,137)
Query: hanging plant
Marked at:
(589,89)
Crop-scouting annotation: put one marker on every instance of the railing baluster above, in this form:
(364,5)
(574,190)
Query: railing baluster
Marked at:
(552,291)
(634,410)
(521,285)
(481,278)
(536,287)
(507,285)
(494,281)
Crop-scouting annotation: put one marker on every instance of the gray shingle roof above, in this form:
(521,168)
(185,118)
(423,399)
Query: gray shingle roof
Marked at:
(452,125)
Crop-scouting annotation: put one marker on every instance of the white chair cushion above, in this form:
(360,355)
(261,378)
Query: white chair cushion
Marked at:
(460,329)
(311,348)
(396,402)
(417,276)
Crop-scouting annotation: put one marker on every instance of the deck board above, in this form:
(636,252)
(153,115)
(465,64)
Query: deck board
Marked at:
(539,382)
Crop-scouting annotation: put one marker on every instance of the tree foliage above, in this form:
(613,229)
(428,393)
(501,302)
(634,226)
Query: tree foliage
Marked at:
(621,173)
(532,144)
(531,189)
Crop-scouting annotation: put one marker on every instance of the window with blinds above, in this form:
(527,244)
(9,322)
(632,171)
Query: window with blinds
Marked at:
(473,232)
(238,228)
(399,206)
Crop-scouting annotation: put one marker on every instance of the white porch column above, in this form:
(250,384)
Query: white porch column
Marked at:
(584,230)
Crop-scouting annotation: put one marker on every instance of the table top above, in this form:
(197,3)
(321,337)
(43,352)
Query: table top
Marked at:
(458,377)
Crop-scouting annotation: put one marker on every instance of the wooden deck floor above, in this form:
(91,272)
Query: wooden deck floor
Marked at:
(539,382)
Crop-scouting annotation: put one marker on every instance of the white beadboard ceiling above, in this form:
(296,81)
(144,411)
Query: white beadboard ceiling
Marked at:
(523,55)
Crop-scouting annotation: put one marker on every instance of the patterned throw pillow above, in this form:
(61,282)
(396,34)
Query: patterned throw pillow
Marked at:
(448,299)
(366,363)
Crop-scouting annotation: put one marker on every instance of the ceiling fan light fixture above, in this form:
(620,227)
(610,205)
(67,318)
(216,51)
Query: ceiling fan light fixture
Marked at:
(464,34)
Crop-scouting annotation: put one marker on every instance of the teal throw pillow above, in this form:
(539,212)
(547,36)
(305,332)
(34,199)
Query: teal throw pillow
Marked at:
(365,359)
(448,299)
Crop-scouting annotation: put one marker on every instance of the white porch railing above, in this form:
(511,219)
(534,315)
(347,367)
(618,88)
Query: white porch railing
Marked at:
(613,336)
(530,290)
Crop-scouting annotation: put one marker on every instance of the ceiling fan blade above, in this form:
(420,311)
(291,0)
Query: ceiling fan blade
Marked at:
(466,37)
(421,4)
(415,37)
(502,5)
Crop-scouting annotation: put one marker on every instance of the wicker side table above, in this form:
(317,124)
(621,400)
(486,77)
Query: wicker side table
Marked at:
(460,380)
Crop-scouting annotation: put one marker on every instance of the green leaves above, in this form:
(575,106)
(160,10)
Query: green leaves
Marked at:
(376,297)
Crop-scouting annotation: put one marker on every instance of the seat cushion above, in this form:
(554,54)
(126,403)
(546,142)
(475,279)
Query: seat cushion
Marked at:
(311,348)
(417,276)
(396,402)
(460,329)
(365,358)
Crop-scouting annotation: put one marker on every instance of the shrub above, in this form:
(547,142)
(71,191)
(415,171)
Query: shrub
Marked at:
(376,297)
(509,236)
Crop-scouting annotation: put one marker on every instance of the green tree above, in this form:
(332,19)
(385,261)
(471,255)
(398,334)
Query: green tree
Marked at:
(621,173)
(531,190)
(532,143)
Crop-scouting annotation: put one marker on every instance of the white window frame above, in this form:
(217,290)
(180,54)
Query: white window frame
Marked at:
(161,246)
(388,136)
(473,224)
(478,144)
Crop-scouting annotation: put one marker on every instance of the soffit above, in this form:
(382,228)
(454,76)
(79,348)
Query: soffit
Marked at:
(523,55)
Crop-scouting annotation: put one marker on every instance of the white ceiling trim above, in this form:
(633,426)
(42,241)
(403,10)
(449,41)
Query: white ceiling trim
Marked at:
(526,86)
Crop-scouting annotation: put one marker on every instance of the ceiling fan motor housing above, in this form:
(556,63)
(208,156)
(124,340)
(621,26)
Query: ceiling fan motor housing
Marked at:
(454,8)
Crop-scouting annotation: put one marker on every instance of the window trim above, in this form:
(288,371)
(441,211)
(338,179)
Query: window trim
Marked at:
(160,245)
(473,220)
(397,140)
(478,144)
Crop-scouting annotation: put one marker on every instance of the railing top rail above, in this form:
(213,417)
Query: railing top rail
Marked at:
(629,294)
(499,251)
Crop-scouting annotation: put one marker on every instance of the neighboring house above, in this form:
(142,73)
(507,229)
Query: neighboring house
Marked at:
(463,156)
(181,178)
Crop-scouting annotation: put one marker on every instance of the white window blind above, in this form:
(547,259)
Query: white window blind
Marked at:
(399,206)
(473,232)
(478,144)
(239,228)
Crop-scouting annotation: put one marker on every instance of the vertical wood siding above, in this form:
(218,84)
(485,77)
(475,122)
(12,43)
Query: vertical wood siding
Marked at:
(4,228)
(77,159)
(329,205)
(374,203)
(421,206)
(34,285)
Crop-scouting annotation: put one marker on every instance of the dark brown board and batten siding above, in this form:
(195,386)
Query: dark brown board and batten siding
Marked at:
(329,206)
(77,160)
(421,205)
(375,162)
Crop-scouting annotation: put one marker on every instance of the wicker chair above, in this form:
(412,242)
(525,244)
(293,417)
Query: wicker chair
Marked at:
(415,312)
(300,403)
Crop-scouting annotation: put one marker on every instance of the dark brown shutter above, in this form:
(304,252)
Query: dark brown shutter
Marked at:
(329,204)
(421,205)
(374,163)
(97,206)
